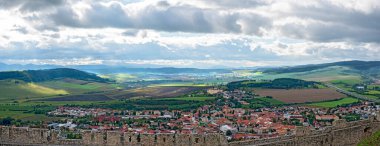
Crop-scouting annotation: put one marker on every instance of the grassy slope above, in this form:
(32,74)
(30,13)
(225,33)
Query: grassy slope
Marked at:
(15,91)
(343,77)
(16,99)
(324,74)
(75,88)
(11,91)
(329,104)
(373,140)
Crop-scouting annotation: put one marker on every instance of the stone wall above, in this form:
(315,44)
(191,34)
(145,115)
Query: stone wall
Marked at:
(31,136)
(342,133)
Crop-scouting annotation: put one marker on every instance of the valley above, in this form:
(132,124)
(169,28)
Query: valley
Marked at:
(135,98)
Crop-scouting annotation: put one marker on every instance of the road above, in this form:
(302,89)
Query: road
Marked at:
(350,93)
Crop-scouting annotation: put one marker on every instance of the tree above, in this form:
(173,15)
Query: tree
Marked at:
(228,132)
(6,121)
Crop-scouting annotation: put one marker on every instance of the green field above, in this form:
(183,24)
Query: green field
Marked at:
(24,101)
(321,75)
(373,86)
(335,103)
(352,81)
(76,88)
(262,102)
(271,101)
(16,90)
(120,77)
(180,85)
(18,99)
(204,98)
(246,73)
(373,92)
(33,109)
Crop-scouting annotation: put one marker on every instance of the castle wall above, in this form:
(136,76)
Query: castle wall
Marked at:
(342,133)
(31,136)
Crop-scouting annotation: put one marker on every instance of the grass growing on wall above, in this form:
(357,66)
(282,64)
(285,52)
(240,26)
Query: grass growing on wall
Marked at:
(373,140)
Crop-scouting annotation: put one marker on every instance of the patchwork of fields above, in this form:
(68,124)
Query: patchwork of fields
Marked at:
(154,92)
(23,99)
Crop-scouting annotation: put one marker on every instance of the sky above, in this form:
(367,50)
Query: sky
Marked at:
(188,33)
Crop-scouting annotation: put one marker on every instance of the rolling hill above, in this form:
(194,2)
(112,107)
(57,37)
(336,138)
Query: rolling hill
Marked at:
(356,65)
(50,74)
(31,84)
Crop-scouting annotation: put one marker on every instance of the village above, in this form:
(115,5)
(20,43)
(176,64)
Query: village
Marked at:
(220,117)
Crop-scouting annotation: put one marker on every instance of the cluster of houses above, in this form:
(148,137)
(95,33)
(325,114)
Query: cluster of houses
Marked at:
(235,123)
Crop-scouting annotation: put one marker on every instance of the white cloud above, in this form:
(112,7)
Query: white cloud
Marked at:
(191,32)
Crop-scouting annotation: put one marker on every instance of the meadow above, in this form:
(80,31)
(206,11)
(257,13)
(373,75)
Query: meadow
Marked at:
(320,75)
(201,98)
(77,86)
(120,77)
(262,102)
(335,103)
(12,90)
(154,92)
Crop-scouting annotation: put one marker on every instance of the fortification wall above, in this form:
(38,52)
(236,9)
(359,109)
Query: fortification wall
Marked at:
(31,136)
(342,133)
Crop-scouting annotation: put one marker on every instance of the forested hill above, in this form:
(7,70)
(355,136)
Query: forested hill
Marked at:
(50,74)
(358,65)
(281,83)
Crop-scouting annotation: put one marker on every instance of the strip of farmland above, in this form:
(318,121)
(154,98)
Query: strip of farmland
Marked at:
(300,95)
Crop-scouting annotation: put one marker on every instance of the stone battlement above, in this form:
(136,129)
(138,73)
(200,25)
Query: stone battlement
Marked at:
(341,133)
(33,136)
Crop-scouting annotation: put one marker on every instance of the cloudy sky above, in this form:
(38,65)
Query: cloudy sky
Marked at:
(189,33)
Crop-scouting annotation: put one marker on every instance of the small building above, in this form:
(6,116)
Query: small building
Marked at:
(326,117)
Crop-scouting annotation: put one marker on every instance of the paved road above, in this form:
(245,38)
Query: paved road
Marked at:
(350,93)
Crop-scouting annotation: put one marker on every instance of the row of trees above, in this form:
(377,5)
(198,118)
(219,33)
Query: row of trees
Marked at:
(281,83)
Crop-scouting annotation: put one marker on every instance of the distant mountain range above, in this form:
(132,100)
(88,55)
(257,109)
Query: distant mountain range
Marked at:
(18,67)
(104,69)
(163,70)
(50,74)
(364,66)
